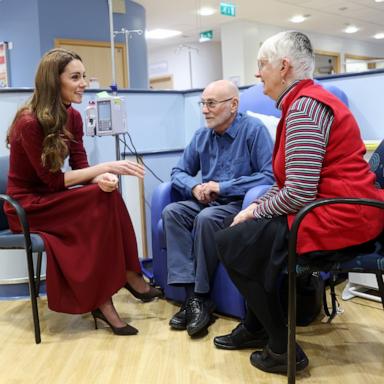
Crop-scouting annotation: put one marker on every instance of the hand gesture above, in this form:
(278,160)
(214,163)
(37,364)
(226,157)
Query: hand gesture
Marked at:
(244,215)
(211,190)
(107,182)
(198,194)
(126,167)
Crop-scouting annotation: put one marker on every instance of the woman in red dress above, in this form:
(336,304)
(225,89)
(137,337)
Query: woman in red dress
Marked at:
(88,235)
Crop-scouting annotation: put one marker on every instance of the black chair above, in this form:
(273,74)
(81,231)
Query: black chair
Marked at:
(362,263)
(32,243)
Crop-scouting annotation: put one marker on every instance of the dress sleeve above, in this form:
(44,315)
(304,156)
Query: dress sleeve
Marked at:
(77,155)
(31,136)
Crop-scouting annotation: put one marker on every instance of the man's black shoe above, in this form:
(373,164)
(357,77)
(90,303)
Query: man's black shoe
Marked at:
(198,314)
(241,338)
(179,320)
(269,361)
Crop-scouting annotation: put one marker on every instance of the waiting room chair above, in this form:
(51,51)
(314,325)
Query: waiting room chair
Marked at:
(362,263)
(224,294)
(32,243)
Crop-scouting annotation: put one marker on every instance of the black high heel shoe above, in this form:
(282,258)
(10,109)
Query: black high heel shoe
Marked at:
(146,296)
(127,330)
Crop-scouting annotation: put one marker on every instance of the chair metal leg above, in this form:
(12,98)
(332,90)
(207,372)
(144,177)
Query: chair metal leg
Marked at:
(32,293)
(292,324)
(38,272)
(380,283)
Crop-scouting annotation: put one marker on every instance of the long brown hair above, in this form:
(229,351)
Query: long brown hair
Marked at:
(46,103)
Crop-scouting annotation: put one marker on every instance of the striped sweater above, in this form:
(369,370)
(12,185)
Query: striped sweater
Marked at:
(307,131)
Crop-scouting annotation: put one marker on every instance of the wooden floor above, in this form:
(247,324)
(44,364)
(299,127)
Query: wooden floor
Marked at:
(350,350)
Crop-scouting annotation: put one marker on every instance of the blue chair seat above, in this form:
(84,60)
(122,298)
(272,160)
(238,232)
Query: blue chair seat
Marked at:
(9,240)
(225,295)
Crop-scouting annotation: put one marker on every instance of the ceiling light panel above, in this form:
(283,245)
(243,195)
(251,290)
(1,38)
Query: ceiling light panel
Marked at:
(161,33)
(206,11)
(379,35)
(298,18)
(351,29)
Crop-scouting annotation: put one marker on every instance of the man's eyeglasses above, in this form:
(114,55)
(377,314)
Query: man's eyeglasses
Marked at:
(211,104)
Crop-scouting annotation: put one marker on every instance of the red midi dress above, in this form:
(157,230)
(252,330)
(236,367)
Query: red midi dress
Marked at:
(88,234)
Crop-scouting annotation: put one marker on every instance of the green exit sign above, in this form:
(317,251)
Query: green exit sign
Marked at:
(206,36)
(227,9)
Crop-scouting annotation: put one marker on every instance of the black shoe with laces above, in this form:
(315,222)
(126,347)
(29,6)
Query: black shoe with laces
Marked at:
(241,338)
(269,361)
(198,314)
(179,320)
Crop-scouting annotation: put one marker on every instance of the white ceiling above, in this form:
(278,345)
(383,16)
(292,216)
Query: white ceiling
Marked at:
(326,17)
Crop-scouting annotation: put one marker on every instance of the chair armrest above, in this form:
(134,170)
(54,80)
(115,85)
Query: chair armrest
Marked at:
(317,203)
(20,212)
(162,195)
(255,193)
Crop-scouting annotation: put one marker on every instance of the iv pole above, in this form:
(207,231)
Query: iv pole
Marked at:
(112,34)
(113,85)
(126,33)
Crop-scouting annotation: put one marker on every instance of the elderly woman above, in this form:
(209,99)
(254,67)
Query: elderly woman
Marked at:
(318,154)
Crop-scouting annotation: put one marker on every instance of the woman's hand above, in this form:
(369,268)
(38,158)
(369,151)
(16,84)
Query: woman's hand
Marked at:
(244,215)
(96,172)
(126,167)
(107,182)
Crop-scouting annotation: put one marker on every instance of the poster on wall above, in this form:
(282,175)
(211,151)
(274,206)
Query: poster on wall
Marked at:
(4,81)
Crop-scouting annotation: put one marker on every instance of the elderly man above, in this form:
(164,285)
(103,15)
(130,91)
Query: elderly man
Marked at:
(233,155)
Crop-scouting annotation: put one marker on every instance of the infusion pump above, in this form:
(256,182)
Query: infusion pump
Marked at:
(105,116)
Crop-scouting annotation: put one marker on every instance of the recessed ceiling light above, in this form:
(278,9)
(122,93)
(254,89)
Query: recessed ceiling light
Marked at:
(379,35)
(379,1)
(298,18)
(351,29)
(161,33)
(206,11)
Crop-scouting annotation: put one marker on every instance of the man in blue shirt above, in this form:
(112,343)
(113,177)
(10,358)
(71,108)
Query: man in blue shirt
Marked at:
(233,154)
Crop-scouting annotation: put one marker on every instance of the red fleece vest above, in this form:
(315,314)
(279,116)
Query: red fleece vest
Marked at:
(344,173)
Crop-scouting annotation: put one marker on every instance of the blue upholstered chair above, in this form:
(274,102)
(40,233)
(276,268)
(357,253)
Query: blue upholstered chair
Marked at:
(225,295)
(32,243)
(253,99)
(362,263)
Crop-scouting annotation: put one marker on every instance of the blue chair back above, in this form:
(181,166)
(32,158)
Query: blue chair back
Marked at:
(377,165)
(337,92)
(253,99)
(4,170)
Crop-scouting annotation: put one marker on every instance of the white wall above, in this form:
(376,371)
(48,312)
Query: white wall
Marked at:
(240,42)
(174,60)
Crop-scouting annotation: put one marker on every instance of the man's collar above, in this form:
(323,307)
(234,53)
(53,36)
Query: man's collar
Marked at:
(233,129)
